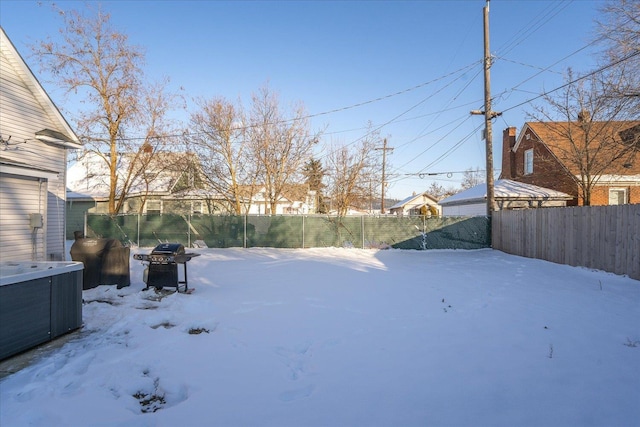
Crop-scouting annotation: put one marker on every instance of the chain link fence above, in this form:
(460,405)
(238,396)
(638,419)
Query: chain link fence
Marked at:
(293,231)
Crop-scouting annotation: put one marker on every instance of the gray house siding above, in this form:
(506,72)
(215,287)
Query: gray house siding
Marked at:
(18,199)
(25,109)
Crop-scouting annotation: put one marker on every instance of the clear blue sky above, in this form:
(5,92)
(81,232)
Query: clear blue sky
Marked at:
(334,55)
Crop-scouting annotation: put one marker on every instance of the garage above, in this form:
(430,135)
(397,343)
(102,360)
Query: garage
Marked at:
(23,209)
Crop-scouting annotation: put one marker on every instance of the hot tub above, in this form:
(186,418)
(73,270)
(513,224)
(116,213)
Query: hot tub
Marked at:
(39,301)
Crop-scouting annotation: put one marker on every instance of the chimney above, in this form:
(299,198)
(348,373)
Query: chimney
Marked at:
(508,156)
(146,148)
(584,116)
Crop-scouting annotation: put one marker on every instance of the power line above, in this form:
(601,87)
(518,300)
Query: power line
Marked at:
(592,73)
(395,118)
(453,148)
(436,142)
(546,69)
(448,173)
(599,70)
(466,67)
(323,113)
(534,25)
(538,23)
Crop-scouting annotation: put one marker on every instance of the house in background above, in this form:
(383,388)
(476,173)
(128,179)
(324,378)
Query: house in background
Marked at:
(35,138)
(543,155)
(417,204)
(168,184)
(507,194)
(296,199)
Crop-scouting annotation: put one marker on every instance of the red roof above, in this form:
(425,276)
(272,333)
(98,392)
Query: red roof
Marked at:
(604,141)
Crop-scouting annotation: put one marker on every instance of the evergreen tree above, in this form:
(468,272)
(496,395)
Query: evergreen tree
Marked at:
(313,172)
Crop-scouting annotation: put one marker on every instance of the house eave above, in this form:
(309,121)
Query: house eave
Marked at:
(509,199)
(616,180)
(465,202)
(53,137)
(22,169)
(43,97)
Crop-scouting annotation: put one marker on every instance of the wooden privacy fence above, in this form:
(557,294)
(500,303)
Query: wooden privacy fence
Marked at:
(600,237)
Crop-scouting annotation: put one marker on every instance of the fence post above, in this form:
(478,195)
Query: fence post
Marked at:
(362,229)
(189,230)
(138,227)
(303,216)
(244,233)
(424,232)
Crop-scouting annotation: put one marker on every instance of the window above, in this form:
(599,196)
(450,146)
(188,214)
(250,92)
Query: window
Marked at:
(617,196)
(197,207)
(154,207)
(631,137)
(528,162)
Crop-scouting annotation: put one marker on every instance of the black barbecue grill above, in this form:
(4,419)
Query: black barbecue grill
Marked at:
(162,270)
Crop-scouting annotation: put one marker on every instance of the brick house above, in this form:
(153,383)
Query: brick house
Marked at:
(544,155)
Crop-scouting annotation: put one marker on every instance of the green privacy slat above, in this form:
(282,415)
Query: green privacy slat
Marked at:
(295,231)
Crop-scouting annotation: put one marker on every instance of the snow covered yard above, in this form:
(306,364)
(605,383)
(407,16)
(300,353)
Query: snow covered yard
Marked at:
(345,337)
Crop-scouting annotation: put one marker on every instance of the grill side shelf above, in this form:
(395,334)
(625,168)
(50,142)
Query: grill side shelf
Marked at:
(182,258)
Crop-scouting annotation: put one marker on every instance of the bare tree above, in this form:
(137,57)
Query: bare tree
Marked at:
(218,135)
(96,64)
(280,144)
(440,192)
(352,170)
(620,28)
(471,178)
(585,132)
(620,25)
(151,158)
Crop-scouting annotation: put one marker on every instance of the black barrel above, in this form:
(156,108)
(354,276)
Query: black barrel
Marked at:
(106,262)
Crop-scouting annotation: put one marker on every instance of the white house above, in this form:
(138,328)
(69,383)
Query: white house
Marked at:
(296,199)
(507,194)
(170,184)
(164,177)
(35,138)
(417,204)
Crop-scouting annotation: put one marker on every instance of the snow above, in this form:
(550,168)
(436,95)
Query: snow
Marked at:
(82,185)
(346,337)
(505,188)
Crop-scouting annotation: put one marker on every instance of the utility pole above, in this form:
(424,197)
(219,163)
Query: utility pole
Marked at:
(488,113)
(384,165)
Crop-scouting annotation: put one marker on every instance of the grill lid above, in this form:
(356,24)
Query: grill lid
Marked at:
(167,253)
(168,249)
